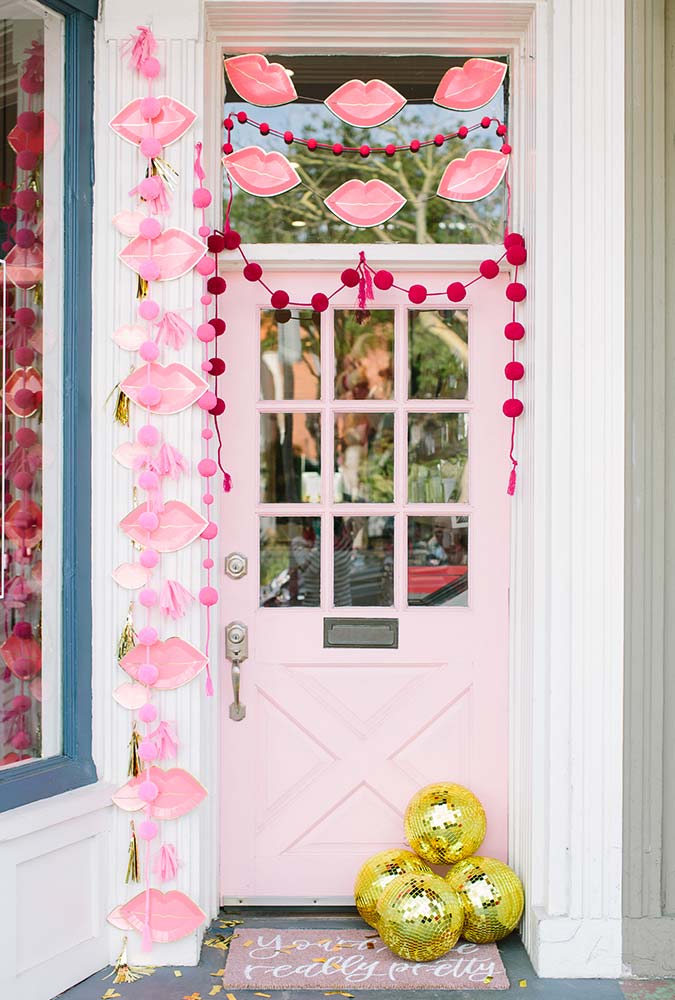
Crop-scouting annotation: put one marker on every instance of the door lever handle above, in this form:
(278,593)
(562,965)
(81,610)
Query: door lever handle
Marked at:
(236,651)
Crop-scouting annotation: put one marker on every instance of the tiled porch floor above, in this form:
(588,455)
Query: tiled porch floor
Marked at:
(198,983)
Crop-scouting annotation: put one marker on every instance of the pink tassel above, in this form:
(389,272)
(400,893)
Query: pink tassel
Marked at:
(511,489)
(164,738)
(169,462)
(173,330)
(142,46)
(34,67)
(174,599)
(18,336)
(227,482)
(155,501)
(146,940)
(158,205)
(23,460)
(166,863)
(209,683)
(199,170)
(365,282)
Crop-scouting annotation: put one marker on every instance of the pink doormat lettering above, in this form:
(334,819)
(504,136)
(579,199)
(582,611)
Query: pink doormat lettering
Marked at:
(346,960)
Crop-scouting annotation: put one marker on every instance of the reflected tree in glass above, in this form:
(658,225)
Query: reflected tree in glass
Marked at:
(364,354)
(438,353)
(438,454)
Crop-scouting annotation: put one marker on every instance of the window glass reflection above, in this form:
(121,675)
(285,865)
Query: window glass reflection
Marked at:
(290,354)
(290,462)
(363,562)
(438,450)
(364,457)
(438,560)
(438,353)
(364,354)
(290,562)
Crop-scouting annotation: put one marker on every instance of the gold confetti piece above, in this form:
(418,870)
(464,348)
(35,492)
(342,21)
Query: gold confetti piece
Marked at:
(230,996)
(319,959)
(215,990)
(230,923)
(268,995)
(488,979)
(247,944)
(109,994)
(177,973)
(323,941)
(218,973)
(335,965)
(220,941)
(523,982)
(193,996)
(338,993)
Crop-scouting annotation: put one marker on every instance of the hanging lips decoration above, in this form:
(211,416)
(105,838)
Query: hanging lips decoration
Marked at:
(25,266)
(131,696)
(131,576)
(117,920)
(23,523)
(173,120)
(176,660)
(179,793)
(260,173)
(175,252)
(365,203)
(180,386)
(128,223)
(33,142)
(22,656)
(129,453)
(471,86)
(179,525)
(23,378)
(172,914)
(260,82)
(365,104)
(130,338)
(474,177)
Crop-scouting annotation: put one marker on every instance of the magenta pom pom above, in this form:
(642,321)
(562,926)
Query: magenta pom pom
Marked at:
(218,407)
(253,271)
(501,130)
(210,531)
(148,309)
(148,596)
(485,122)
(279,299)
(149,269)
(150,188)
(150,147)
(149,558)
(149,395)
(514,331)
(514,240)
(512,408)
(208,596)
(201,198)
(25,399)
(149,350)
(22,480)
(22,630)
(24,356)
(319,302)
(228,123)
(207,400)
(456,291)
(25,437)
(228,148)
(516,255)
(390,149)
(415,146)
(29,121)
(148,829)
(514,371)
(206,333)
(216,243)
(383,280)
(489,268)
(337,148)
(148,520)
(21,740)
(505,149)
(207,468)
(364,151)
(350,277)
(232,240)
(148,435)
(150,228)
(217,284)
(242,117)
(25,316)
(218,325)
(515,291)
(25,238)
(25,201)
(150,68)
(264,128)
(217,366)
(417,294)
(147,636)
(26,160)
(150,108)
(147,750)
(148,674)
(462,132)
(21,703)
(148,791)
(312,144)
(288,137)
(147,712)
(206,266)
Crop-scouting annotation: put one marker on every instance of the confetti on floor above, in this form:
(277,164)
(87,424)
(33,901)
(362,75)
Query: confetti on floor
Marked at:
(488,979)
(230,996)
(109,994)
(177,973)
(268,995)
(523,982)
(215,990)
(219,973)
(319,959)
(338,993)
(247,944)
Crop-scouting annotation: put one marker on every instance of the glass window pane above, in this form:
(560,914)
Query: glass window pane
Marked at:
(438,353)
(290,354)
(364,354)
(290,562)
(290,458)
(364,457)
(363,562)
(438,450)
(438,560)
(31,238)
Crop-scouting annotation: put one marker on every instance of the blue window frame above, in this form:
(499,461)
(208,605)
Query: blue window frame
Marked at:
(74,766)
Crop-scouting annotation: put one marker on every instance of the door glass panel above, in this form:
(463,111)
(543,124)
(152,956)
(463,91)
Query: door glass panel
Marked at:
(438,353)
(438,560)
(363,562)
(290,354)
(437,458)
(290,562)
(364,354)
(364,457)
(290,457)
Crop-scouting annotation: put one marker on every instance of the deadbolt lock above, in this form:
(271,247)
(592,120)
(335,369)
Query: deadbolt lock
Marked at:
(236,565)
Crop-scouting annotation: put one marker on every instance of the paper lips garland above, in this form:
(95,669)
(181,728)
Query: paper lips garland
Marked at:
(474,177)
(471,86)
(260,173)
(172,915)
(171,121)
(365,104)
(175,793)
(260,82)
(177,662)
(365,203)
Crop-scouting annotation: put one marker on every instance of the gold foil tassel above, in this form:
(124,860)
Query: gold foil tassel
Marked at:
(162,168)
(127,639)
(135,765)
(141,288)
(122,408)
(125,973)
(133,868)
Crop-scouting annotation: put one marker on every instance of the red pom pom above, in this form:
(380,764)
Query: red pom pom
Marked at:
(383,280)
(489,268)
(516,292)
(505,149)
(516,255)
(501,130)
(25,316)
(288,137)
(264,128)
(417,294)
(462,132)
(456,291)
(253,271)
(512,408)
(227,123)
(350,277)
(24,356)
(217,408)
(439,139)
(514,371)
(218,325)
(514,331)
(280,299)
(217,366)
(228,148)
(25,399)
(337,148)
(232,240)
(242,117)
(319,302)
(25,437)
(513,240)
(312,144)
(216,243)
(485,122)
(364,150)
(216,285)
(415,146)
(390,149)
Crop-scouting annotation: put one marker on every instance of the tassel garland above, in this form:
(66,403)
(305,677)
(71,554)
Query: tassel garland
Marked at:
(166,863)
(173,330)
(122,408)
(174,599)
(135,765)
(133,867)
(127,639)
(125,973)
(164,738)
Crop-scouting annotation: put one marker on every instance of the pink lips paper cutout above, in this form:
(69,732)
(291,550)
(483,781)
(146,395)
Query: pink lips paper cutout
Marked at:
(365,104)
(128,453)
(25,267)
(261,173)
(178,662)
(365,203)
(131,696)
(128,223)
(475,176)
(179,793)
(173,121)
(471,86)
(173,915)
(180,386)
(131,576)
(260,82)
(23,523)
(129,338)
(23,378)
(174,251)
(179,525)
(117,920)
(22,656)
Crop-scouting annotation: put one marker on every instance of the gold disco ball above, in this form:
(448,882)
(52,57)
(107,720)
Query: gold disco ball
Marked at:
(419,916)
(492,897)
(377,872)
(444,823)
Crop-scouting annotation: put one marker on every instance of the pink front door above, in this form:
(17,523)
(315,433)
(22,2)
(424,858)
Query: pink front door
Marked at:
(369,458)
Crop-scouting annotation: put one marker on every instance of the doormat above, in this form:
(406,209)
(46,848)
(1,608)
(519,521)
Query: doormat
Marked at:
(342,961)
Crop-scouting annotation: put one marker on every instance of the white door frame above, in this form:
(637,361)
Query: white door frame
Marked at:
(567,532)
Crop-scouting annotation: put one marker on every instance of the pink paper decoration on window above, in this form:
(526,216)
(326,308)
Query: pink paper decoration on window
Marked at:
(179,525)
(471,86)
(22,656)
(474,176)
(260,82)
(172,915)
(178,793)
(263,174)
(180,386)
(173,121)
(177,661)
(365,203)
(175,253)
(365,104)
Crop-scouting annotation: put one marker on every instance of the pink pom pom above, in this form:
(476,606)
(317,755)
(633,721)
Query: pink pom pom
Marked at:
(201,198)
(208,400)
(25,399)
(462,132)
(149,269)
(150,146)
(29,122)
(516,255)
(364,150)
(25,316)
(505,149)
(206,266)
(512,408)
(21,703)
(456,291)
(147,636)
(415,146)
(417,294)
(149,395)
(204,231)
(207,467)
(148,520)
(319,302)
(279,299)
(21,740)
(514,331)
(515,291)
(148,481)
(288,137)
(147,712)
(147,749)
(148,435)
(208,596)
(253,271)
(25,238)
(148,791)
(22,630)
(150,108)
(390,149)
(210,531)
(207,433)
(150,188)
(148,829)
(383,280)
(206,299)
(25,437)
(26,200)
(206,334)
(148,674)
(149,558)
(149,350)
(26,160)
(489,268)
(150,68)
(148,309)
(148,596)
(24,356)
(514,371)
(22,480)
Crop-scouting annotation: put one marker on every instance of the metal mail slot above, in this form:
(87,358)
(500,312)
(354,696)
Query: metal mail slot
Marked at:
(360,633)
